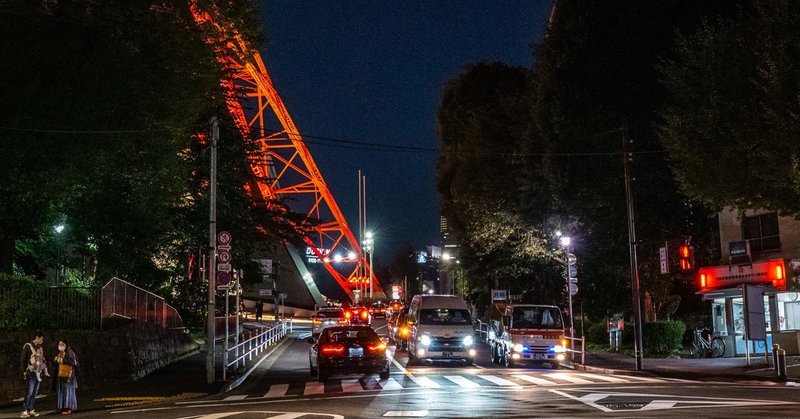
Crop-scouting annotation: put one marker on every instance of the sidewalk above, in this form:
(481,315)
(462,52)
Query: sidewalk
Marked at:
(692,368)
(182,380)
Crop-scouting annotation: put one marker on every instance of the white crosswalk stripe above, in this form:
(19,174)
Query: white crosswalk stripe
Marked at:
(462,381)
(372,383)
(277,390)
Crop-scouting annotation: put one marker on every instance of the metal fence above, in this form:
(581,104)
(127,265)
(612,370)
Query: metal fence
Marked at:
(239,354)
(49,308)
(123,299)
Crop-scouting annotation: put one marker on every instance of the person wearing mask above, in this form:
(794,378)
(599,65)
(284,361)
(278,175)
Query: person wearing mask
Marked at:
(66,401)
(32,357)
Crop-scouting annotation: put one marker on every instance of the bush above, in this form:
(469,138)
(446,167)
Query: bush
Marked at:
(597,333)
(662,338)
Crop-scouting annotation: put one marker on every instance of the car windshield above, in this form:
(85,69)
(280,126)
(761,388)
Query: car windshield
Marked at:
(445,316)
(335,314)
(536,318)
(349,335)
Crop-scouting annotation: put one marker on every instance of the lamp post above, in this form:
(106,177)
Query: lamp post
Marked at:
(565,242)
(369,244)
(58,229)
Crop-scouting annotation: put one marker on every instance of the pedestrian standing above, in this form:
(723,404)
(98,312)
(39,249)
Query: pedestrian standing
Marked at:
(259,310)
(32,356)
(67,364)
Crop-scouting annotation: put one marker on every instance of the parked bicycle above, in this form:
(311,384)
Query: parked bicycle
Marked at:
(705,346)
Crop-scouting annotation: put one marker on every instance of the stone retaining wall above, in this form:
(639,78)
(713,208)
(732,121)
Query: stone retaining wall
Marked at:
(122,354)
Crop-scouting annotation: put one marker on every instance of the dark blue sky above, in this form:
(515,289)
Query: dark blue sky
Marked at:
(374,72)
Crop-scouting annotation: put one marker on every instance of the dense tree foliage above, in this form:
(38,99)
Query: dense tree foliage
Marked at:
(732,118)
(595,84)
(102,104)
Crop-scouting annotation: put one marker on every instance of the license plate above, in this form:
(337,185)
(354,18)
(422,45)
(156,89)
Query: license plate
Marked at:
(539,356)
(447,354)
(356,352)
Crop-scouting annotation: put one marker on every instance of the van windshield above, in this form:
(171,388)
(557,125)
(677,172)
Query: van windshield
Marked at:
(536,318)
(445,316)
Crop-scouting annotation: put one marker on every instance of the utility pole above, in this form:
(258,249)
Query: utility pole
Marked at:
(212,253)
(635,297)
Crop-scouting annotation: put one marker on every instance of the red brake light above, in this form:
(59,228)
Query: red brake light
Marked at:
(348,315)
(364,314)
(377,346)
(331,349)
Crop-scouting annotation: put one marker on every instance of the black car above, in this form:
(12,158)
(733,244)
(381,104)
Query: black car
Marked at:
(348,350)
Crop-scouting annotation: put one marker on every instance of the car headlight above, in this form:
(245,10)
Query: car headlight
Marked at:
(468,340)
(559,349)
(425,340)
(518,348)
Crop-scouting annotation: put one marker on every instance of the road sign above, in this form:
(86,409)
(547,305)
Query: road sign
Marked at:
(573,289)
(224,237)
(573,271)
(224,267)
(224,256)
(571,258)
(662,253)
(499,295)
(573,280)
(223,279)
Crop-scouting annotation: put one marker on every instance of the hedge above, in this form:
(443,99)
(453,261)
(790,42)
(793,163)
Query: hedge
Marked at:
(662,338)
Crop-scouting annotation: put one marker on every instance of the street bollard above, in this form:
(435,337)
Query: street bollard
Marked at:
(775,349)
(781,363)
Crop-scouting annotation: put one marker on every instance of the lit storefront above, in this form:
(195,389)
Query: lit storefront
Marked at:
(722,285)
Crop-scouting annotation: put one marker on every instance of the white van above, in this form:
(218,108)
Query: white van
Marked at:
(441,329)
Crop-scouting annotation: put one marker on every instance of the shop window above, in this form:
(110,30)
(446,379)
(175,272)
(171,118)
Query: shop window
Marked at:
(789,311)
(761,231)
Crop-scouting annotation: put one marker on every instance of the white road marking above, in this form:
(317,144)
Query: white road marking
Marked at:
(499,381)
(535,380)
(351,386)
(608,378)
(390,384)
(406,413)
(645,379)
(314,388)
(237,397)
(565,376)
(277,390)
(424,382)
(461,381)
(399,367)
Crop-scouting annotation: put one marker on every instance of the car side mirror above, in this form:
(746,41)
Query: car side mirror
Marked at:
(506,321)
(311,340)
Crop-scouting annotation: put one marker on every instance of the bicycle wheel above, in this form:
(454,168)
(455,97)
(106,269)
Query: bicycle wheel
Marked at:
(717,347)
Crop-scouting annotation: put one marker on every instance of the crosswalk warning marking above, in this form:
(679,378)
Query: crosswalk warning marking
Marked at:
(391,384)
(277,390)
(563,376)
(535,380)
(236,397)
(497,380)
(424,382)
(645,379)
(351,386)
(314,388)
(608,378)
(461,381)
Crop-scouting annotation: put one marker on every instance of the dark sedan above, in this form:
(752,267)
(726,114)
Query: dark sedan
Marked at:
(348,350)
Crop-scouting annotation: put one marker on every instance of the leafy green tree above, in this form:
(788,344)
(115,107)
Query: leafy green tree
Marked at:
(732,116)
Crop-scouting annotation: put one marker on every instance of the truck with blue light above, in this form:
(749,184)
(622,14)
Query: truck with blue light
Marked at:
(526,333)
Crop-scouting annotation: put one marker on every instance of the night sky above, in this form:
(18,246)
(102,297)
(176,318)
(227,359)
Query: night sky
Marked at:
(374,72)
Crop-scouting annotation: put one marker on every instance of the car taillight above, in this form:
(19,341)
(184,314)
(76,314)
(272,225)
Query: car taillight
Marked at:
(342,321)
(348,315)
(316,320)
(364,314)
(403,331)
(376,347)
(331,349)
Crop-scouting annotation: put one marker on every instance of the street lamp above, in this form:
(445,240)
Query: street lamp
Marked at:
(369,244)
(565,242)
(58,229)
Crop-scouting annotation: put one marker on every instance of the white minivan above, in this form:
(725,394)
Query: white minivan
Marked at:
(441,329)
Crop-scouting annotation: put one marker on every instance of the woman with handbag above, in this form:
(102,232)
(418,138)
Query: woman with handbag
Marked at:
(66,364)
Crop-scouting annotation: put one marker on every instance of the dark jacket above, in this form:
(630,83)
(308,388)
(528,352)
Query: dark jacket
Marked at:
(25,357)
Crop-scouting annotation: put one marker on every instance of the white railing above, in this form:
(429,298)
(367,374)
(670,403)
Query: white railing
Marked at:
(574,351)
(239,354)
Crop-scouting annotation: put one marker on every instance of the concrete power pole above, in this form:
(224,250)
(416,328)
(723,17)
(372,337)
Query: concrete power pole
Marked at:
(212,253)
(635,294)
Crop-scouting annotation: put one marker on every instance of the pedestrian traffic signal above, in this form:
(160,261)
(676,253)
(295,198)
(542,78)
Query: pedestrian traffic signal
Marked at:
(686,257)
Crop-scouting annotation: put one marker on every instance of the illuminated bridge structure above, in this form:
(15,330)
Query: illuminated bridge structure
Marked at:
(283,166)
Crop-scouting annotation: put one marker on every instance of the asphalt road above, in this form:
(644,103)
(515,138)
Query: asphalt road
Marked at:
(281,387)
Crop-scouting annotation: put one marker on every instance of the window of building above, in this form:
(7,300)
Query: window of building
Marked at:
(762,232)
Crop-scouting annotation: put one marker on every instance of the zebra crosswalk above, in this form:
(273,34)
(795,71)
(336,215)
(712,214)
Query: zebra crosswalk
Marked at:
(410,382)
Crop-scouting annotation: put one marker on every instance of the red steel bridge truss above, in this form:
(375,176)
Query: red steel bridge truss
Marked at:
(283,166)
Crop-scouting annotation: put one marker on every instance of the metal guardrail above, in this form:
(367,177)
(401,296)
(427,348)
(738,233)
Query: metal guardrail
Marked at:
(122,299)
(239,354)
(573,351)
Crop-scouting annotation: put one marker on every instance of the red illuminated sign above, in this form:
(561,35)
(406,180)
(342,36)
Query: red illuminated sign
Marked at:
(772,272)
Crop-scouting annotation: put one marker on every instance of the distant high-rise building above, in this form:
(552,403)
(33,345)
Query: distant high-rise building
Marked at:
(449,245)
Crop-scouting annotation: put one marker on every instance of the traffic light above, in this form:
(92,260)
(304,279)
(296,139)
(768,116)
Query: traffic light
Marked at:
(686,257)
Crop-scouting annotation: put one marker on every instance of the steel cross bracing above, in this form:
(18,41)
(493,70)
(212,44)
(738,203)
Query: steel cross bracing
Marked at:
(284,166)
